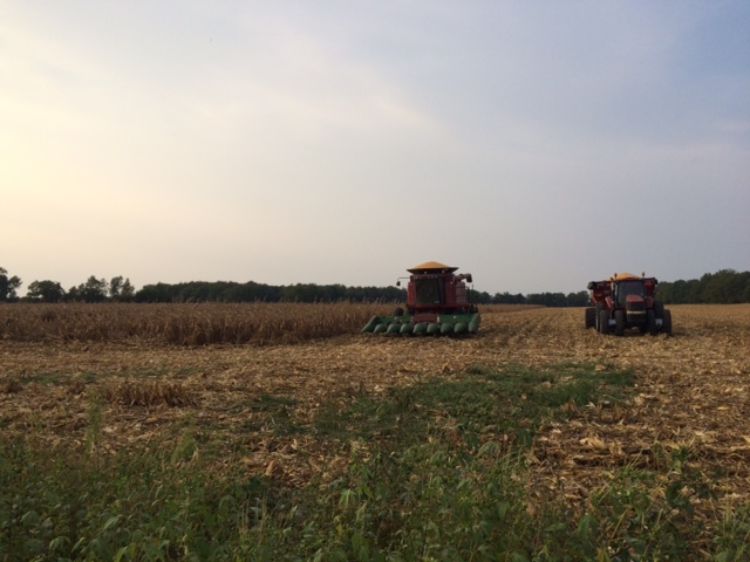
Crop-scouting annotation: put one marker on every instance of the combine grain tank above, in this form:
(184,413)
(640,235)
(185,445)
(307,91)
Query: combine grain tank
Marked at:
(627,301)
(437,303)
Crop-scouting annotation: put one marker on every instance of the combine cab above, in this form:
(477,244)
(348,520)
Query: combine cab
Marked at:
(627,301)
(437,303)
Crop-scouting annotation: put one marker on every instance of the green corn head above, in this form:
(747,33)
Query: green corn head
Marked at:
(446,325)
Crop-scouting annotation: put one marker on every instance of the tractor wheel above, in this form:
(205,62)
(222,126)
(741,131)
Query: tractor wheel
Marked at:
(659,309)
(590,317)
(604,321)
(651,322)
(619,322)
(666,325)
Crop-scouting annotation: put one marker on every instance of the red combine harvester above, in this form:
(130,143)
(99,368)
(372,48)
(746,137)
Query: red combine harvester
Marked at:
(627,301)
(437,303)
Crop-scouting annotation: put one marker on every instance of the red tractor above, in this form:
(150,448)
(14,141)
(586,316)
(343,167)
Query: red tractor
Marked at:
(627,301)
(437,303)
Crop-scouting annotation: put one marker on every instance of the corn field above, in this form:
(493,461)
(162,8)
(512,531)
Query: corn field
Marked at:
(183,324)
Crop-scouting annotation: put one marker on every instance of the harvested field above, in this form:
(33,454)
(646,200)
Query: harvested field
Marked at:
(253,406)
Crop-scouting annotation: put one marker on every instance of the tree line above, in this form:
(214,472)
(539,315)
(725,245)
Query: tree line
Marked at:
(580,298)
(230,291)
(723,287)
(120,289)
(117,289)
(726,286)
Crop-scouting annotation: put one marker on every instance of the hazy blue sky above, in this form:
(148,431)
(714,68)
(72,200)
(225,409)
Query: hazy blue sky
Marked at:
(536,144)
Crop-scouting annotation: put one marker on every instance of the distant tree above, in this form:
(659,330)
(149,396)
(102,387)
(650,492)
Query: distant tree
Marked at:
(46,291)
(8,285)
(547,299)
(479,297)
(115,286)
(502,298)
(127,291)
(160,292)
(507,298)
(726,286)
(93,290)
(580,298)
(225,291)
(120,289)
(665,292)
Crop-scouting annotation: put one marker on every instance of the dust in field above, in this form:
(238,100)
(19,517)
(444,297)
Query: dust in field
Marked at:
(690,395)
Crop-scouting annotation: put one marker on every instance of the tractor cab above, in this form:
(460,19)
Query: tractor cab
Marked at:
(630,291)
(435,287)
(429,290)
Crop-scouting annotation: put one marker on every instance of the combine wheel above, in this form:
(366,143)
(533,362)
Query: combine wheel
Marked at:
(603,321)
(619,322)
(651,322)
(590,317)
(666,325)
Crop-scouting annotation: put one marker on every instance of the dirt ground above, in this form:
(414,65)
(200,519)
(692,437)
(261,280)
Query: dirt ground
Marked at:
(692,392)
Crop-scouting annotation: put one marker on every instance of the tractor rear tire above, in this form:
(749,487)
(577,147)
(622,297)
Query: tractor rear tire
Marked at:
(604,321)
(651,322)
(666,325)
(619,322)
(590,317)
(597,314)
(659,309)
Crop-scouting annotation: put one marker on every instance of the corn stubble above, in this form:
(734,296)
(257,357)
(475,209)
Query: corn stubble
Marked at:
(659,473)
(183,324)
(149,393)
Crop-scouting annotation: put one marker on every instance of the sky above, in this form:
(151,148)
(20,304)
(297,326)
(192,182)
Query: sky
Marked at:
(537,145)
